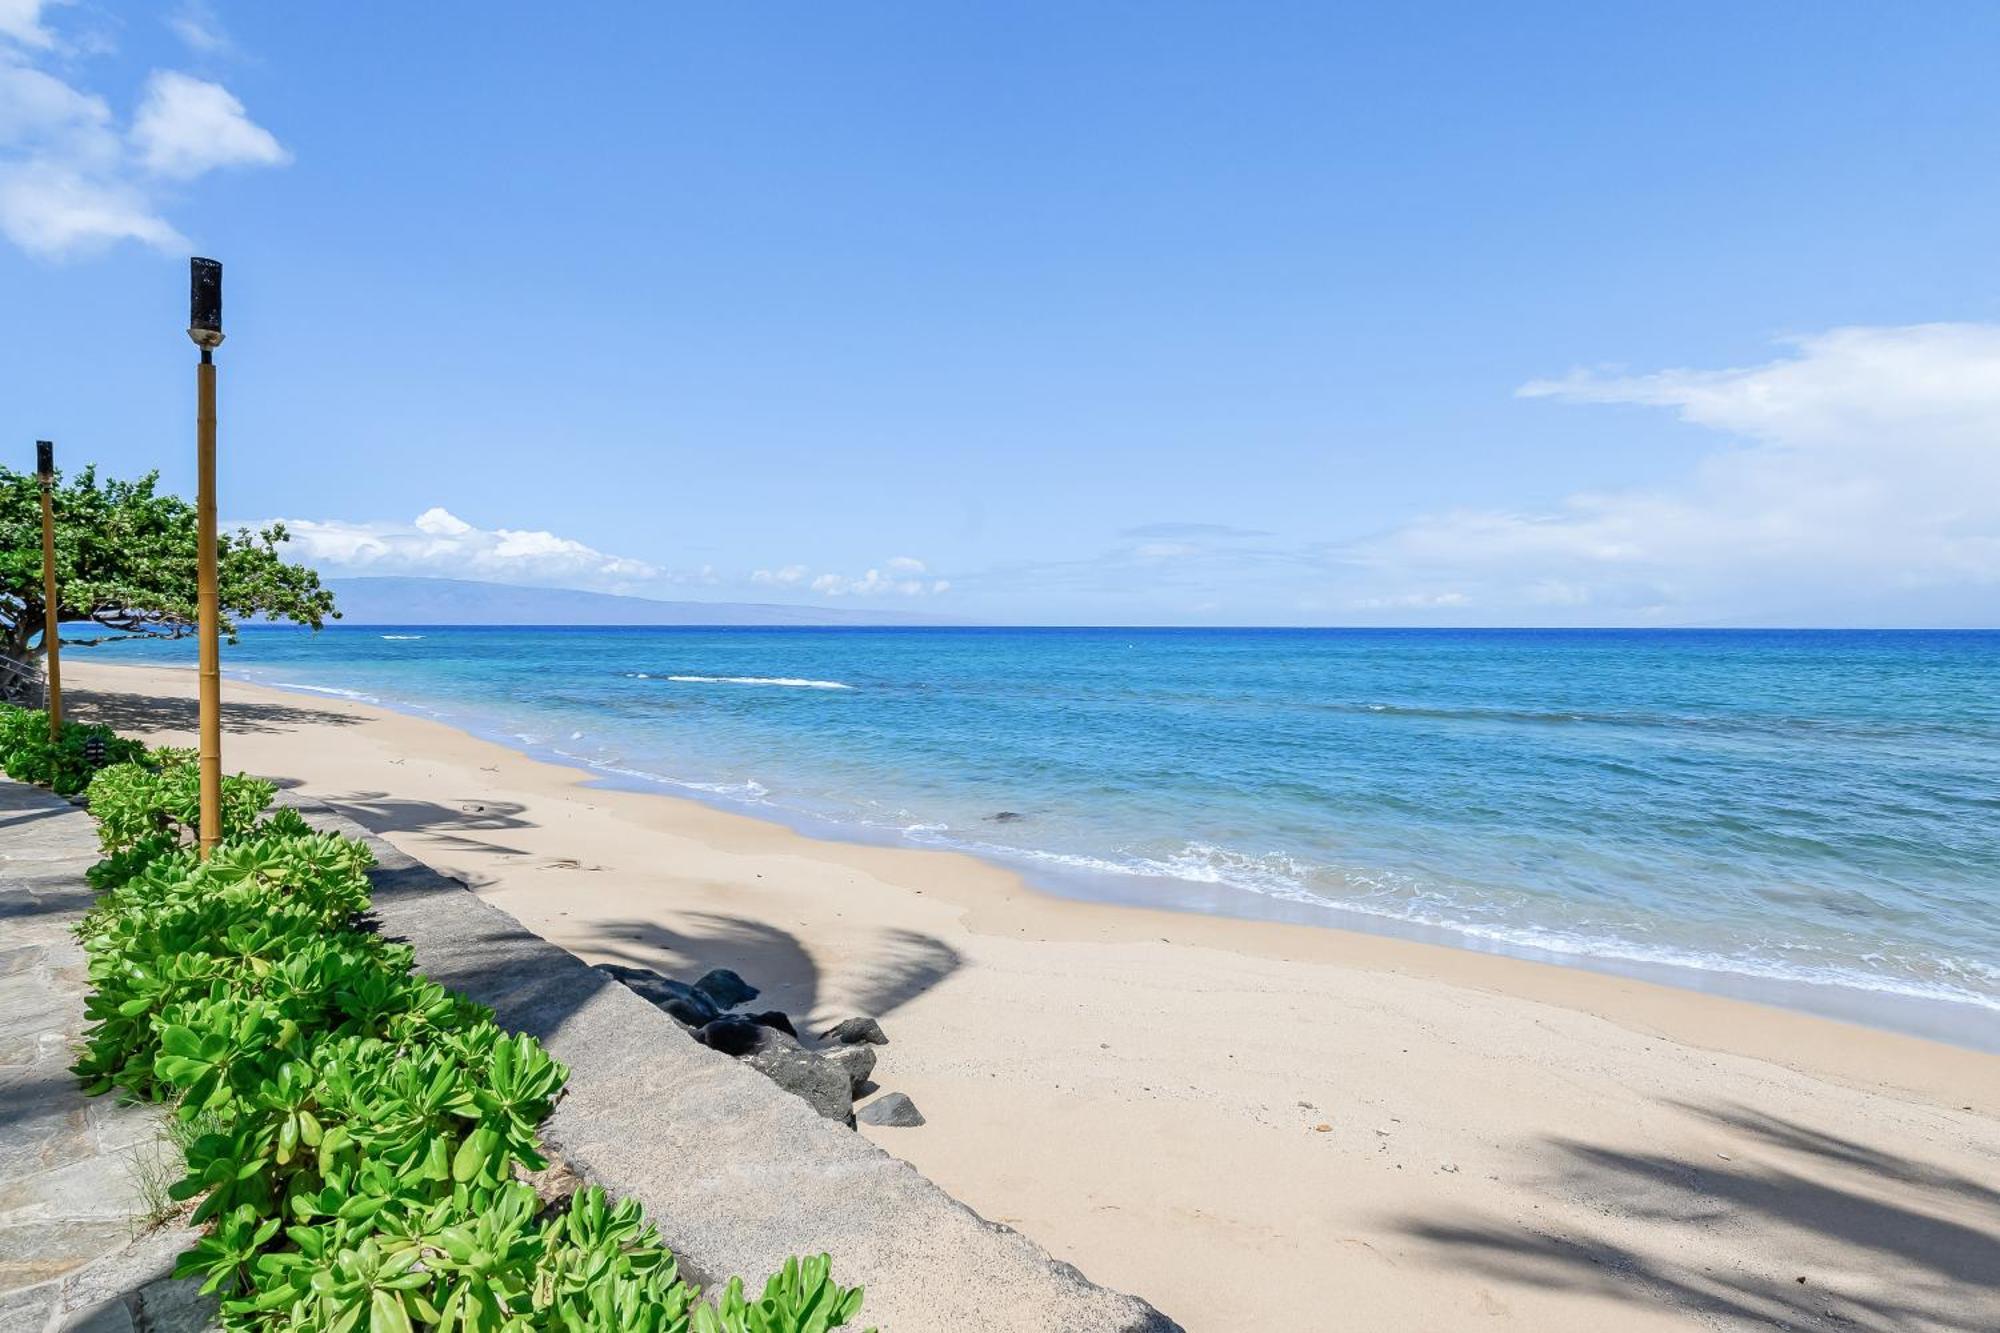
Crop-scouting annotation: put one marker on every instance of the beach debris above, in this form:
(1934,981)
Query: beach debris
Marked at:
(891,1109)
(858,1060)
(724,989)
(676,999)
(1322,1128)
(853,1031)
(554,1183)
(1449,1168)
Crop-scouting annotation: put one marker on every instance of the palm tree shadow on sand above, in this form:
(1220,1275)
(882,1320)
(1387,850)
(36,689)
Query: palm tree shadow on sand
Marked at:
(1870,1240)
(902,965)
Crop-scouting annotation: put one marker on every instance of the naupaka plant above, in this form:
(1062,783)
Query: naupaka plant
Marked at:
(357,1135)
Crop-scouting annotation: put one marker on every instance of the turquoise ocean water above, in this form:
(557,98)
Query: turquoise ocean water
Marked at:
(1809,816)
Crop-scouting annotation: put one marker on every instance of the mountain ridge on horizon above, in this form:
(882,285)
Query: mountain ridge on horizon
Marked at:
(424,600)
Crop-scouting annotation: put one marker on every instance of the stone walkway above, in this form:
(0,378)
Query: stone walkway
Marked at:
(78,1175)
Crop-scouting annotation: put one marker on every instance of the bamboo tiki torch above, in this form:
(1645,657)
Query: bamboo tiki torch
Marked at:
(205,327)
(45,469)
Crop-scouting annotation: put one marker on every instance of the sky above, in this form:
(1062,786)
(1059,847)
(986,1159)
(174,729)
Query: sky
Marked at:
(1101,313)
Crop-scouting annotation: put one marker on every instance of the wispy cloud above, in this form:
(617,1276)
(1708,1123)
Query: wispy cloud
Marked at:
(1191,532)
(197,24)
(898,576)
(73,180)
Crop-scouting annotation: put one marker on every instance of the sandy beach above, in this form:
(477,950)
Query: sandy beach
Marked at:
(1252,1125)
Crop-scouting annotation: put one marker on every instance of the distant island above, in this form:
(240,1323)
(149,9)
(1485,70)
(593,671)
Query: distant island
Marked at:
(426,601)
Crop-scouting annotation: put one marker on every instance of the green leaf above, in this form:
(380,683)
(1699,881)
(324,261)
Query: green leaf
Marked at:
(386,1313)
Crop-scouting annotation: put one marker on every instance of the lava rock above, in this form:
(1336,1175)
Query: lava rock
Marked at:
(854,1031)
(823,1085)
(774,1018)
(858,1060)
(677,999)
(1006,816)
(891,1109)
(733,1034)
(724,989)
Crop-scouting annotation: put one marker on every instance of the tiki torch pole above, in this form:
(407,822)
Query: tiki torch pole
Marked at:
(45,467)
(205,327)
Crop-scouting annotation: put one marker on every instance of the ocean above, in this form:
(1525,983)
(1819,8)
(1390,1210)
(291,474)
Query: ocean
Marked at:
(1811,817)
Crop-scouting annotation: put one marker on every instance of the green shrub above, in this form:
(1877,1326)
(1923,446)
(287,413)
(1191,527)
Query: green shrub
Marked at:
(356,1134)
(137,802)
(28,755)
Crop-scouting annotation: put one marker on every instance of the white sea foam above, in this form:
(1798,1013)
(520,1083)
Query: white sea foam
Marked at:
(1280,877)
(792,682)
(749,790)
(355,695)
(402,638)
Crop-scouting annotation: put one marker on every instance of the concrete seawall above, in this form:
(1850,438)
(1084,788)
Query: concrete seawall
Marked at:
(736,1173)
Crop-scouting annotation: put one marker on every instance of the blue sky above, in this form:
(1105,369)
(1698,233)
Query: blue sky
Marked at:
(1259,313)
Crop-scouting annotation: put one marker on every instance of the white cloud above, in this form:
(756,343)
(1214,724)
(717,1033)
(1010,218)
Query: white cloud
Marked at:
(1866,470)
(71,181)
(21,21)
(49,211)
(904,564)
(188,126)
(441,544)
(785,577)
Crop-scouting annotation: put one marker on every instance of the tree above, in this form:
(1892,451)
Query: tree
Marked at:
(125,560)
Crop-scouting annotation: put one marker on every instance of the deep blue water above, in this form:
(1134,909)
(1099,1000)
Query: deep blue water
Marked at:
(1818,807)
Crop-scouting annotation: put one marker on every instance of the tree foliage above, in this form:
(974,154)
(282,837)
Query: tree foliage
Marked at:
(125,559)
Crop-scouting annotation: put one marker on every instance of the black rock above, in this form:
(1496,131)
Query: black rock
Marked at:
(857,1060)
(733,1035)
(724,989)
(774,1018)
(853,1031)
(823,1085)
(1007,817)
(893,1109)
(677,999)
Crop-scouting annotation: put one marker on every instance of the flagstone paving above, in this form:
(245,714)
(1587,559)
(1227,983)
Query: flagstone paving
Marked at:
(80,1248)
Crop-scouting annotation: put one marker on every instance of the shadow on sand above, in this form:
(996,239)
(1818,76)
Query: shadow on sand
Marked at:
(128,712)
(453,824)
(1870,1240)
(903,964)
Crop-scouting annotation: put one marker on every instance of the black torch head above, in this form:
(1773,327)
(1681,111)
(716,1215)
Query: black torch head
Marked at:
(45,459)
(205,302)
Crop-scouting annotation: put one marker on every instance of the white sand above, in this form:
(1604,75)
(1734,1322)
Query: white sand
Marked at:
(1254,1126)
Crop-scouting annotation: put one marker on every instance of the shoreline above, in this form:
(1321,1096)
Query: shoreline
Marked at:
(1962,1023)
(1159,1096)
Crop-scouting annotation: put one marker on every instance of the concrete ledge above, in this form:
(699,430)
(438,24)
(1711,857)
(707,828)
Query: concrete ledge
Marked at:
(736,1173)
